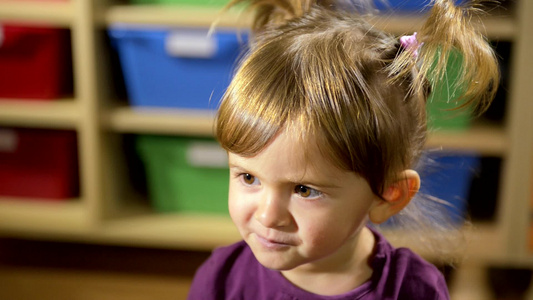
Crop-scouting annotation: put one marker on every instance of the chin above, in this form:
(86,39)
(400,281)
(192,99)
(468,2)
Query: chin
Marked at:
(274,260)
(276,265)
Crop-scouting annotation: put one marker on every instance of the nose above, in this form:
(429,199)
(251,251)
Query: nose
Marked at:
(272,211)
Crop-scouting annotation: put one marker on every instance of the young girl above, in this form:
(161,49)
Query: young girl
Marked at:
(322,123)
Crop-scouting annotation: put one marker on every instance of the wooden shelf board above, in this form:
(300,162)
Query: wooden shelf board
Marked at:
(64,113)
(181,231)
(478,243)
(484,139)
(174,16)
(496,27)
(33,217)
(160,121)
(49,13)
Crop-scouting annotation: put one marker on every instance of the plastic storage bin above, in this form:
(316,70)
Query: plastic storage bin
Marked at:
(185,174)
(181,68)
(406,6)
(37,163)
(35,62)
(448,177)
(445,98)
(216,3)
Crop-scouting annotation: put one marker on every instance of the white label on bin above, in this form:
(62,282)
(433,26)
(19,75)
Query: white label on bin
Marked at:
(207,154)
(9,140)
(190,44)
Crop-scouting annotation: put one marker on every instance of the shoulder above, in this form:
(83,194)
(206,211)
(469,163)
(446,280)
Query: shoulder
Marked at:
(419,278)
(406,275)
(225,257)
(221,274)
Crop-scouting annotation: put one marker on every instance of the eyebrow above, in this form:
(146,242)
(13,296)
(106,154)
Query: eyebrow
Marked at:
(237,168)
(316,183)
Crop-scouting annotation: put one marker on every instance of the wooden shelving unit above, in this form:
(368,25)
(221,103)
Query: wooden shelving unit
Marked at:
(99,214)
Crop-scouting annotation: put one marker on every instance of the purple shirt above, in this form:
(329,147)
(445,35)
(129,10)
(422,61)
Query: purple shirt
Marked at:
(233,273)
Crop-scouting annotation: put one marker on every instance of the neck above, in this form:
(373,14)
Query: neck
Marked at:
(339,273)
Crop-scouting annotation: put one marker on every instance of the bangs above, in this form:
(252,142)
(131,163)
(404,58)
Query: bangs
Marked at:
(272,93)
(263,98)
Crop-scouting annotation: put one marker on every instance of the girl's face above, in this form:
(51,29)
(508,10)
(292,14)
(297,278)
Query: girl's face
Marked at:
(296,210)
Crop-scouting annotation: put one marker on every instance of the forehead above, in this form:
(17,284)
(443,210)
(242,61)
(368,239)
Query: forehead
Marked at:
(295,156)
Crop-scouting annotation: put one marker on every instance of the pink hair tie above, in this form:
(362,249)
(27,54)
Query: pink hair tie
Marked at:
(409,42)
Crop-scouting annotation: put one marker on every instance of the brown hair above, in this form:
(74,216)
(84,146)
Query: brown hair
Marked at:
(329,74)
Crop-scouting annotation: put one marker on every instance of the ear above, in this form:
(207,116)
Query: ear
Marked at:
(396,197)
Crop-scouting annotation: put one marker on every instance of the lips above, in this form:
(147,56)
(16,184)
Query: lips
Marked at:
(272,244)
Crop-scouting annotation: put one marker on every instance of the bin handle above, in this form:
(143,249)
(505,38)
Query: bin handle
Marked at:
(190,44)
(206,155)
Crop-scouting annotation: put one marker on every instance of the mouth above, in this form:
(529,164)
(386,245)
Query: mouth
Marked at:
(272,244)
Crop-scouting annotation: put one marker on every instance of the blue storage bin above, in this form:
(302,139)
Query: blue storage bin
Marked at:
(407,6)
(181,67)
(447,177)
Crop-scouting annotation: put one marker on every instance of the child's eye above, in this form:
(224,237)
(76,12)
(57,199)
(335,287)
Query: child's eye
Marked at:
(307,192)
(249,179)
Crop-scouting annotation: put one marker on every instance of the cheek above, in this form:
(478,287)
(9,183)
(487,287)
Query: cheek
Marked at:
(316,226)
(240,208)
(329,228)
(233,203)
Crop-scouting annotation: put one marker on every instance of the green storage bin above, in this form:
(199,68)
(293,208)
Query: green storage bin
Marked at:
(212,3)
(444,97)
(185,174)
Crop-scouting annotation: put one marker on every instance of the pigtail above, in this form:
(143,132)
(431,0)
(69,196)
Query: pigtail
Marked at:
(449,36)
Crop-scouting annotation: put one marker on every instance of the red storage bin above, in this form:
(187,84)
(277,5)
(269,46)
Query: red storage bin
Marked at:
(35,62)
(38,163)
